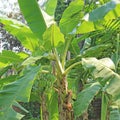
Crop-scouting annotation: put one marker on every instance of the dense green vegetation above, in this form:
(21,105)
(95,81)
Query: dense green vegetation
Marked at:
(69,65)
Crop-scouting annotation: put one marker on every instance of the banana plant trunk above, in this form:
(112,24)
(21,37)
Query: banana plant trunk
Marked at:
(64,100)
(45,113)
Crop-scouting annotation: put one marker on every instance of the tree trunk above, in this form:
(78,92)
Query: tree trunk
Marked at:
(64,100)
(45,114)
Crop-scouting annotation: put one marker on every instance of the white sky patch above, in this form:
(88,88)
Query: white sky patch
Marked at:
(8,6)
(42,2)
(86,17)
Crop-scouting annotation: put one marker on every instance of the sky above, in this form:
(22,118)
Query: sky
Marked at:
(8,6)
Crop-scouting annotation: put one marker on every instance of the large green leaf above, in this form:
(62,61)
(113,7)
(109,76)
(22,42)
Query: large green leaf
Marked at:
(53,105)
(88,26)
(33,16)
(16,91)
(103,71)
(99,13)
(95,19)
(53,37)
(21,32)
(113,14)
(71,16)
(85,97)
(8,57)
(50,7)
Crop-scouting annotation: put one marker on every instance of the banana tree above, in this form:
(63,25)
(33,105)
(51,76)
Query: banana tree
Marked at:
(50,46)
(104,81)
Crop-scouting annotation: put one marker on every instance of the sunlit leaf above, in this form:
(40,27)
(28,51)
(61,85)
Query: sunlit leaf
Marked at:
(102,70)
(8,57)
(93,20)
(21,32)
(53,37)
(115,13)
(50,6)
(100,12)
(88,26)
(71,16)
